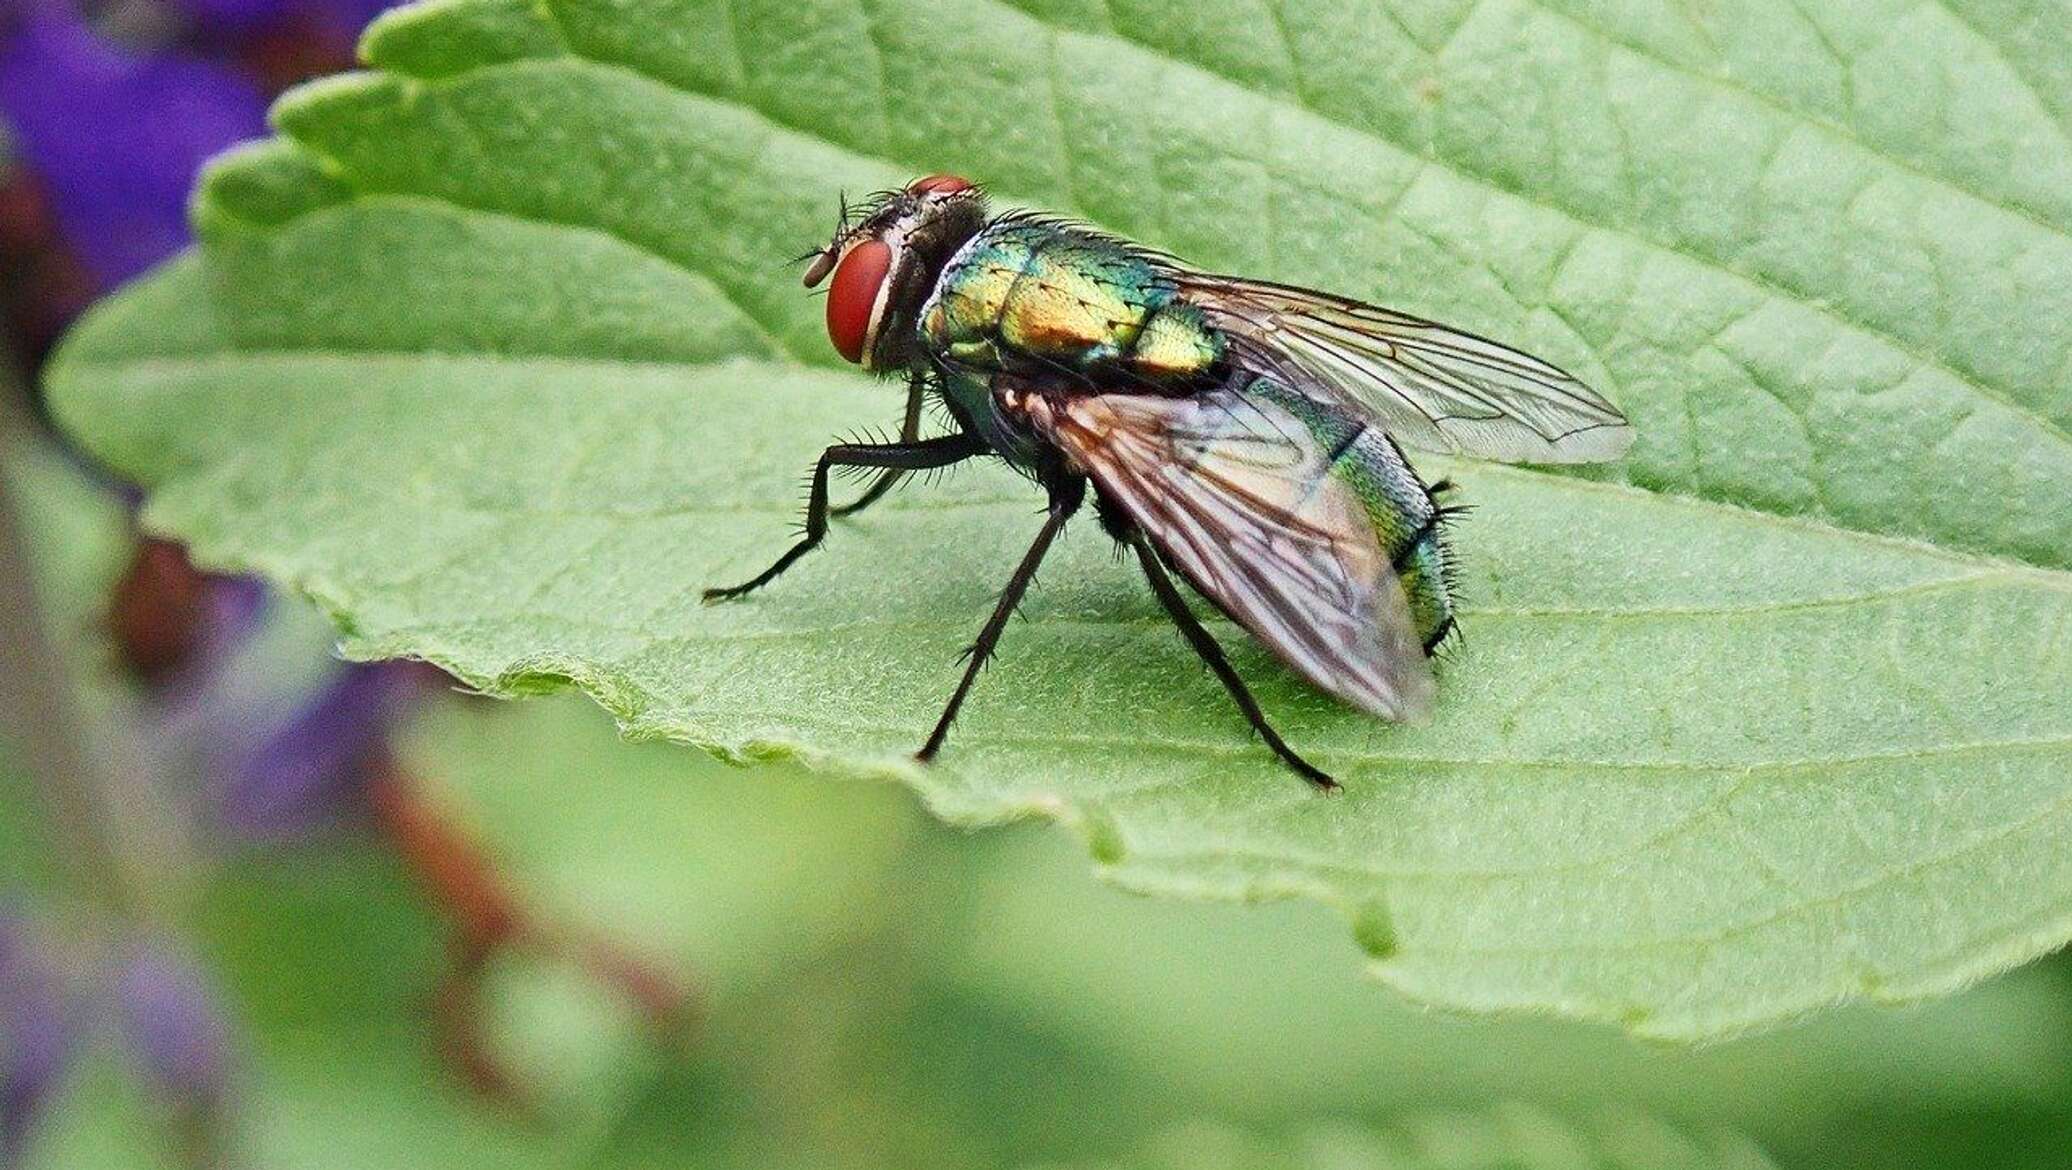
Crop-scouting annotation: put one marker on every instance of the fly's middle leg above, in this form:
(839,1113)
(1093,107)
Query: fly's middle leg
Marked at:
(909,431)
(919,456)
(1066,494)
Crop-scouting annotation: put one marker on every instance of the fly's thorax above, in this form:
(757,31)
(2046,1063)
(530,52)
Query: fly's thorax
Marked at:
(1034,295)
(1175,343)
(960,320)
(1407,520)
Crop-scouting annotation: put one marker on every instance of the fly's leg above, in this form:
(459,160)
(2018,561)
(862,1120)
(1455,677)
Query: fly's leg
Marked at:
(937,452)
(1205,646)
(1066,495)
(909,431)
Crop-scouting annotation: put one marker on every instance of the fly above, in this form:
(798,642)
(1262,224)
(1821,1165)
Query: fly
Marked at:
(1237,435)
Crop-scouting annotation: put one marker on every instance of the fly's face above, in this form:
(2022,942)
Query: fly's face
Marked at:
(885,264)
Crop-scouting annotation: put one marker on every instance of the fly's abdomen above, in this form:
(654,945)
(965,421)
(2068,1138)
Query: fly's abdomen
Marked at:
(1042,299)
(1406,518)
(1423,566)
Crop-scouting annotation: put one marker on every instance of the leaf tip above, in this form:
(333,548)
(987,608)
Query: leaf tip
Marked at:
(445,38)
(261,184)
(301,111)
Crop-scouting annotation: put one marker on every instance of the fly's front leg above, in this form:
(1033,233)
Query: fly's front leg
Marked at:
(909,431)
(929,453)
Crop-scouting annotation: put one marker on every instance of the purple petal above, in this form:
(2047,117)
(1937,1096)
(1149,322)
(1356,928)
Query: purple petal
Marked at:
(117,138)
(37,1036)
(236,16)
(351,15)
(170,1022)
(303,773)
(235,604)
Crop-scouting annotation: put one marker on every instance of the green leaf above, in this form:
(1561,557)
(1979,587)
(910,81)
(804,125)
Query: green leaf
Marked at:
(491,354)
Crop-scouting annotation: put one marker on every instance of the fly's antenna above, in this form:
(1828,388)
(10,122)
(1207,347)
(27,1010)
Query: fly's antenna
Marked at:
(841,231)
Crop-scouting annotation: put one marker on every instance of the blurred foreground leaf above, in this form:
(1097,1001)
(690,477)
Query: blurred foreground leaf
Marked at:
(75,539)
(489,354)
(1244,1018)
(1505,1137)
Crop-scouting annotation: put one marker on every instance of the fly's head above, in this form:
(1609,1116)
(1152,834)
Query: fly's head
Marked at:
(885,264)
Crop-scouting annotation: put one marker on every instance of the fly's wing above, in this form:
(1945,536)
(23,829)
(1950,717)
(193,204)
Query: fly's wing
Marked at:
(1429,386)
(1238,495)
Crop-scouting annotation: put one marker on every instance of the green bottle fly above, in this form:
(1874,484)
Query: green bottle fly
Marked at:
(1239,434)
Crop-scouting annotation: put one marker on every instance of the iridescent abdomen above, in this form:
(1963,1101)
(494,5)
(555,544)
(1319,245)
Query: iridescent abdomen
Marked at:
(1035,298)
(1405,516)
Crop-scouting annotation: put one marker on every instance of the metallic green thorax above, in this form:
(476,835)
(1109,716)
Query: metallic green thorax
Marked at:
(1033,299)
(1026,295)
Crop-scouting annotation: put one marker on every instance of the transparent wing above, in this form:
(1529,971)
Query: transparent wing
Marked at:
(1429,386)
(1238,495)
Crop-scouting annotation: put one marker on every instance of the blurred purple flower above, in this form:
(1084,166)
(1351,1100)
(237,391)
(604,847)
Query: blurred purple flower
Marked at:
(37,1036)
(307,772)
(170,1022)
(235,17)
(235,606)
(109,138)
(116,137)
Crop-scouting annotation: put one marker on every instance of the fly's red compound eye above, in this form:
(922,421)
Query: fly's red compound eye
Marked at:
(939,185)
(854,294)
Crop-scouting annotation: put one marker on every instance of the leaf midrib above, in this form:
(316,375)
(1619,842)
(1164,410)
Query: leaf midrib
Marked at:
(1283,855)
(720,286)
(977,737)
(1159,622)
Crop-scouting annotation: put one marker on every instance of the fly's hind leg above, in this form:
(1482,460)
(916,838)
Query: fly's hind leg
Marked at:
(928,453)
(1211,654)
(909,431)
